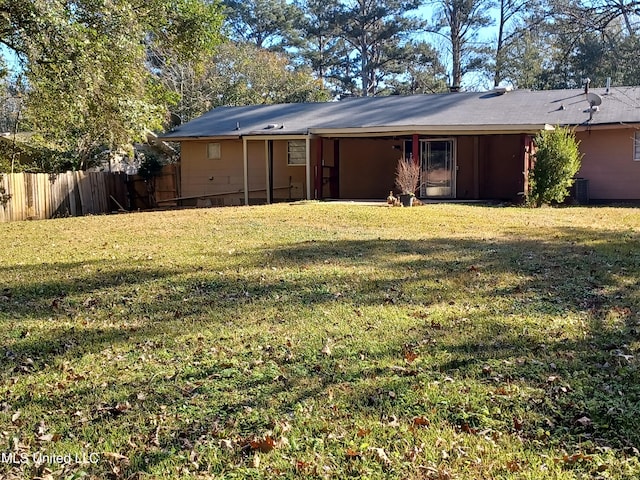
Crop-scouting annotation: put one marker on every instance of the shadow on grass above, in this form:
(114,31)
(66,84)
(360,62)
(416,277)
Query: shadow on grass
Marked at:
(585,370)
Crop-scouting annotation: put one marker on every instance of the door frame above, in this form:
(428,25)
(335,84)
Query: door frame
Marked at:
(454,160)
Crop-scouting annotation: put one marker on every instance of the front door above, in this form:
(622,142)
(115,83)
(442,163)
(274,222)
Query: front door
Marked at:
(437,161)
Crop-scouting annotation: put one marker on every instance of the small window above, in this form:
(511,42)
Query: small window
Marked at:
(297,152)
(213,151)
(636,146)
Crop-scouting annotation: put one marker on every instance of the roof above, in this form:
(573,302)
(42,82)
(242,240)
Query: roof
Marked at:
(463,112)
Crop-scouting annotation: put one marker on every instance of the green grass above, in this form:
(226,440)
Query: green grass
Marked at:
(323,341)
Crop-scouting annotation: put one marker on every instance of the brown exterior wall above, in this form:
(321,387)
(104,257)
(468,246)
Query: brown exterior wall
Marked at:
(465,177)
(501,166)
(200,176)
(367,167)
(608,164)
(203,177)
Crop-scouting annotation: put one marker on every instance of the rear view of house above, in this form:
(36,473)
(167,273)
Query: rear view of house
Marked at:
(469,146)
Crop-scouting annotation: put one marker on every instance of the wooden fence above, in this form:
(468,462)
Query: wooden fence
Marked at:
(162,190)
(36,196)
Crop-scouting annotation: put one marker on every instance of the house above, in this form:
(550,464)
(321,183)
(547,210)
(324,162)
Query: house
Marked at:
(470,145)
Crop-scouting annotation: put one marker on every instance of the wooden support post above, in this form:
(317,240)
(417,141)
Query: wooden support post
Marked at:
(476,167)
(245,163)
(308,165)
(267,156)
(318,170)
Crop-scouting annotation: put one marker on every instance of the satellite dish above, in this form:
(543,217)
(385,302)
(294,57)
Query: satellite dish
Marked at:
(594,99)
(174,120)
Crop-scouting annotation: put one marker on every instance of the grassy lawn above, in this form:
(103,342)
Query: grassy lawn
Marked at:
(322,341)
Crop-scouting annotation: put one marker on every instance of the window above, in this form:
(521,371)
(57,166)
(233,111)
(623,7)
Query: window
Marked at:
(213,151)
(297,152)
(636,146)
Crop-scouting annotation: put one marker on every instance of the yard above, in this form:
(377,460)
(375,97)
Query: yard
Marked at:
(322,341)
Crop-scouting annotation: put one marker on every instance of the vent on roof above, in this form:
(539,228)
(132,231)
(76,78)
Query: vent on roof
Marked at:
(502,90)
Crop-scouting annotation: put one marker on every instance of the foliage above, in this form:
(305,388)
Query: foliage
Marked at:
(407,176)
(321,47)
(86,65)
(150,165)
(459,22)
(264,23)
(481,342)
(238,74)
(376,31)
(424,72)
(516,20)
(557,159)
(4,196)
(31,153)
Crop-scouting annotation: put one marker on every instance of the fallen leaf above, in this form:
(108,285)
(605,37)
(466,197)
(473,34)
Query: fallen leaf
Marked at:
(518,423)
(363,432)
(421,421)
(380,455)
(326,350)
(410,356)
(16,416)
(226,444)
(513,466)
(351,453)
(264,445)
(256,461)
(576,457)
(116,457)
(392,421)
(466,428)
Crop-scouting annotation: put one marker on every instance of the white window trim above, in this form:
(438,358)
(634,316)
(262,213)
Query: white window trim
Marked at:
(636,146)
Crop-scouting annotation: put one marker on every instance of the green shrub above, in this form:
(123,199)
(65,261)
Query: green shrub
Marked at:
(557,159)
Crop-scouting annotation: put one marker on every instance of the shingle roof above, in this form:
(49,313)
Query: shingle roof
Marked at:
(484,111)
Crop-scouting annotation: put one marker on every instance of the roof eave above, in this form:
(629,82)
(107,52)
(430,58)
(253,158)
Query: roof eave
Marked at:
(431,129)
(185,138)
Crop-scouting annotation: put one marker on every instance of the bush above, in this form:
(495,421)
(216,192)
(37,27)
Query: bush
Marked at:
(556,162)
(407,176)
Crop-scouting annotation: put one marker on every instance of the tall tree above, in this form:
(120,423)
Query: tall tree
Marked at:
(459,21)
(423,72)
(595,39)
(85,61)
(515,20)
(320,47)
(377,31)
(265,23)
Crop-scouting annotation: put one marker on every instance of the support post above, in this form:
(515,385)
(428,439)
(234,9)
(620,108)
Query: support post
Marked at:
(308,165)
(245,163)
(415,148)
(476,167)
(318,170)
(268,155)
